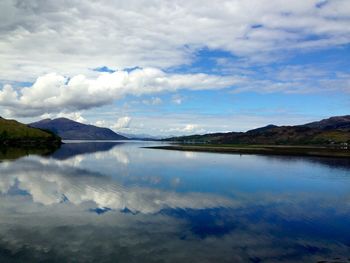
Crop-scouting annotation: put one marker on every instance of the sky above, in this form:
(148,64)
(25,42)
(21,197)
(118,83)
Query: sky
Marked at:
(176,67)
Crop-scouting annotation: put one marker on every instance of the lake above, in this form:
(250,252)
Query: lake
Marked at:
(118,202)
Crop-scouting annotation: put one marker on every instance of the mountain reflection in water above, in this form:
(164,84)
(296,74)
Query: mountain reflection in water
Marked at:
(117,202)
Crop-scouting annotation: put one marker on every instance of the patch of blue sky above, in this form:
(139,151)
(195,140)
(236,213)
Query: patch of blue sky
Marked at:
(257,26)
(109,70)
(220,62)
(321,4)
(16,84)
(206,61)
(223,102)
(104,69)
(317,105)
(131,69)
(334,58)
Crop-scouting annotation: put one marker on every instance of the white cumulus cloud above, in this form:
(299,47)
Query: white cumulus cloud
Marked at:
(54,93)
(122,123)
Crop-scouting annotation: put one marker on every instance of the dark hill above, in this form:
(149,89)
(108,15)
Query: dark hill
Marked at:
(339,123)
(14,133)
(72,130)
(332,131)
(262,129)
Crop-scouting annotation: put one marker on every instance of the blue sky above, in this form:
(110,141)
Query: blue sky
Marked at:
(175,67)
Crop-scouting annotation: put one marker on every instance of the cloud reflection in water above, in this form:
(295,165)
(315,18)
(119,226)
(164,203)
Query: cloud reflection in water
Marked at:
(54,209)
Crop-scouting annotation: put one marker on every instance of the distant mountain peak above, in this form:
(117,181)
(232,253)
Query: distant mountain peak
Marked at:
(45,120)
(64,119)
(72,130)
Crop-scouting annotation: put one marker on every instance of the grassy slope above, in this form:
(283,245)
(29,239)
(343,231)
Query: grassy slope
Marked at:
(331,132)
(284,135)
(336,136)
(13,132)
(17,130)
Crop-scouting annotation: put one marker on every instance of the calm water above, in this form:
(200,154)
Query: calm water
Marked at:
(117,202)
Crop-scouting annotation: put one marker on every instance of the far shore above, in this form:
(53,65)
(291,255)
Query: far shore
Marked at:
(302,150)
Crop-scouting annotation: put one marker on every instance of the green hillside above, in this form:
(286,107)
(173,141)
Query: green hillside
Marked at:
(15,133)
(334,131)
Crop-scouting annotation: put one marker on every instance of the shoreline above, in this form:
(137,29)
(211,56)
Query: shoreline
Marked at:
(11,153)
(31,143)
(261,149)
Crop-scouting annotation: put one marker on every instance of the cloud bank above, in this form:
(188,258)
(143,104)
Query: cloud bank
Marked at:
(56,93)
(71,37)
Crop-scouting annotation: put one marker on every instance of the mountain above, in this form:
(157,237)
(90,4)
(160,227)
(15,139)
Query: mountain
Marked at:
(338,122)
(15,133)
(72,130)
(142,137)
(331,131)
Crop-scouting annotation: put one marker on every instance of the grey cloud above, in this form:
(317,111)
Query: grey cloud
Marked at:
(71,36)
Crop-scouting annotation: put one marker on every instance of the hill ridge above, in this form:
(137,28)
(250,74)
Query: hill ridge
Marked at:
(331,131)
(72,130)
(13,132)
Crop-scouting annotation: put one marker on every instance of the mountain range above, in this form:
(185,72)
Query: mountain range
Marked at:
(334,130)
(72,130)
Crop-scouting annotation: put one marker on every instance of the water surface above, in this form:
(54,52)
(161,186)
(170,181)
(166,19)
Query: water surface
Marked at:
(117,202)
